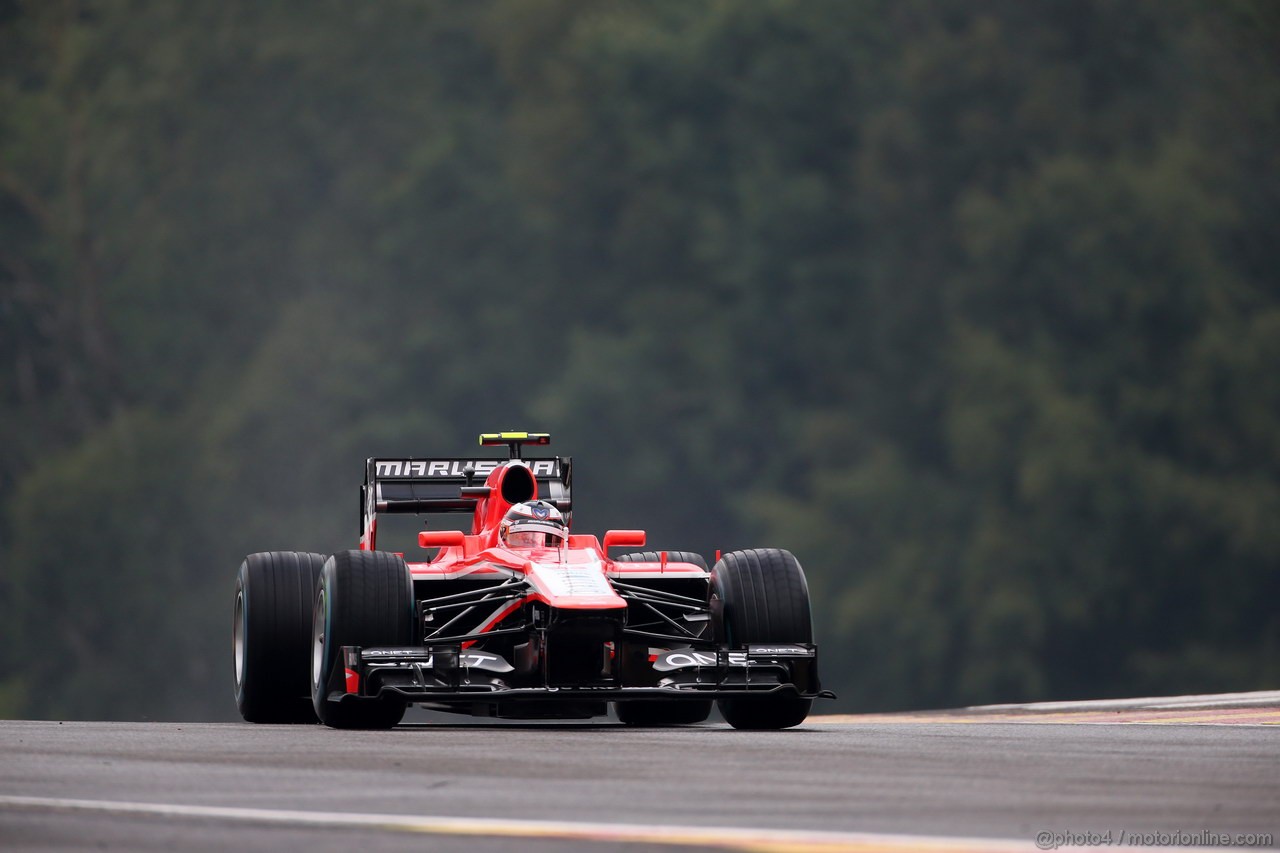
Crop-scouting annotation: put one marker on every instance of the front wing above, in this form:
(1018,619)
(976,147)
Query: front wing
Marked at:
(451,674)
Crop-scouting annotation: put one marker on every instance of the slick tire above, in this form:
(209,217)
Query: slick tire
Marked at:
(761,596)
(364,598)
(638,712)
(271,636)
(656,557)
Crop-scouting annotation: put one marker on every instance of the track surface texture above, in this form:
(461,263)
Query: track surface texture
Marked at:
(980,779)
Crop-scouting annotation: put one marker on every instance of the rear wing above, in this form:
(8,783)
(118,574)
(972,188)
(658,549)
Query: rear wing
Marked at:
(412,485)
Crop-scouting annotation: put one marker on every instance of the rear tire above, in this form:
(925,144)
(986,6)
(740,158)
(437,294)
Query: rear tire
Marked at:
(271,635)
(639,712)
(761,596)
(365,598)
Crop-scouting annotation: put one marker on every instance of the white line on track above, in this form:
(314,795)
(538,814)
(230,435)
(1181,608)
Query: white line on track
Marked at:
(1212,700)
(723,837)
(735,838)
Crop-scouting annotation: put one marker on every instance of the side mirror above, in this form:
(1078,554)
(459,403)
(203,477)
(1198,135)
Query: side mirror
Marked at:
(623,539)
(441,539)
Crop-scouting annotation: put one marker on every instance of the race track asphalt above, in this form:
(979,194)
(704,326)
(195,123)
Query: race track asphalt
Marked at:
(910,782)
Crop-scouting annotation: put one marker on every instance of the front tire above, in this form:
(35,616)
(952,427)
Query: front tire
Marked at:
(271,633)
(365,598)
(761,596)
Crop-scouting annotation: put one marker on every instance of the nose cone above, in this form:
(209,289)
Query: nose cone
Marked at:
(577,584)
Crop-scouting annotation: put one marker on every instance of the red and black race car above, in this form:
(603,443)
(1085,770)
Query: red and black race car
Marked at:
(520,618)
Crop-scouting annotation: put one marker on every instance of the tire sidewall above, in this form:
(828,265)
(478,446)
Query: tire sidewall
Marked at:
(720,630)
(322,625)
(242,655)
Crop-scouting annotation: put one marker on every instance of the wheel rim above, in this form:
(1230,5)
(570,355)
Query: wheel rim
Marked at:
(317,640)
(237,635)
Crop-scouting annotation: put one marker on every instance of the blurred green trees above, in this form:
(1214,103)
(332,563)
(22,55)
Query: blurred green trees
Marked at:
(974,308)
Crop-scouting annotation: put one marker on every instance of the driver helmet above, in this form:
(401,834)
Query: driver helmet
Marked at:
(534,524)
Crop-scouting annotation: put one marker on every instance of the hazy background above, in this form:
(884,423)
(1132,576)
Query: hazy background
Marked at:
(972,305)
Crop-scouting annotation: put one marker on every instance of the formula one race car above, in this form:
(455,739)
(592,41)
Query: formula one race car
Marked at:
(519,619)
